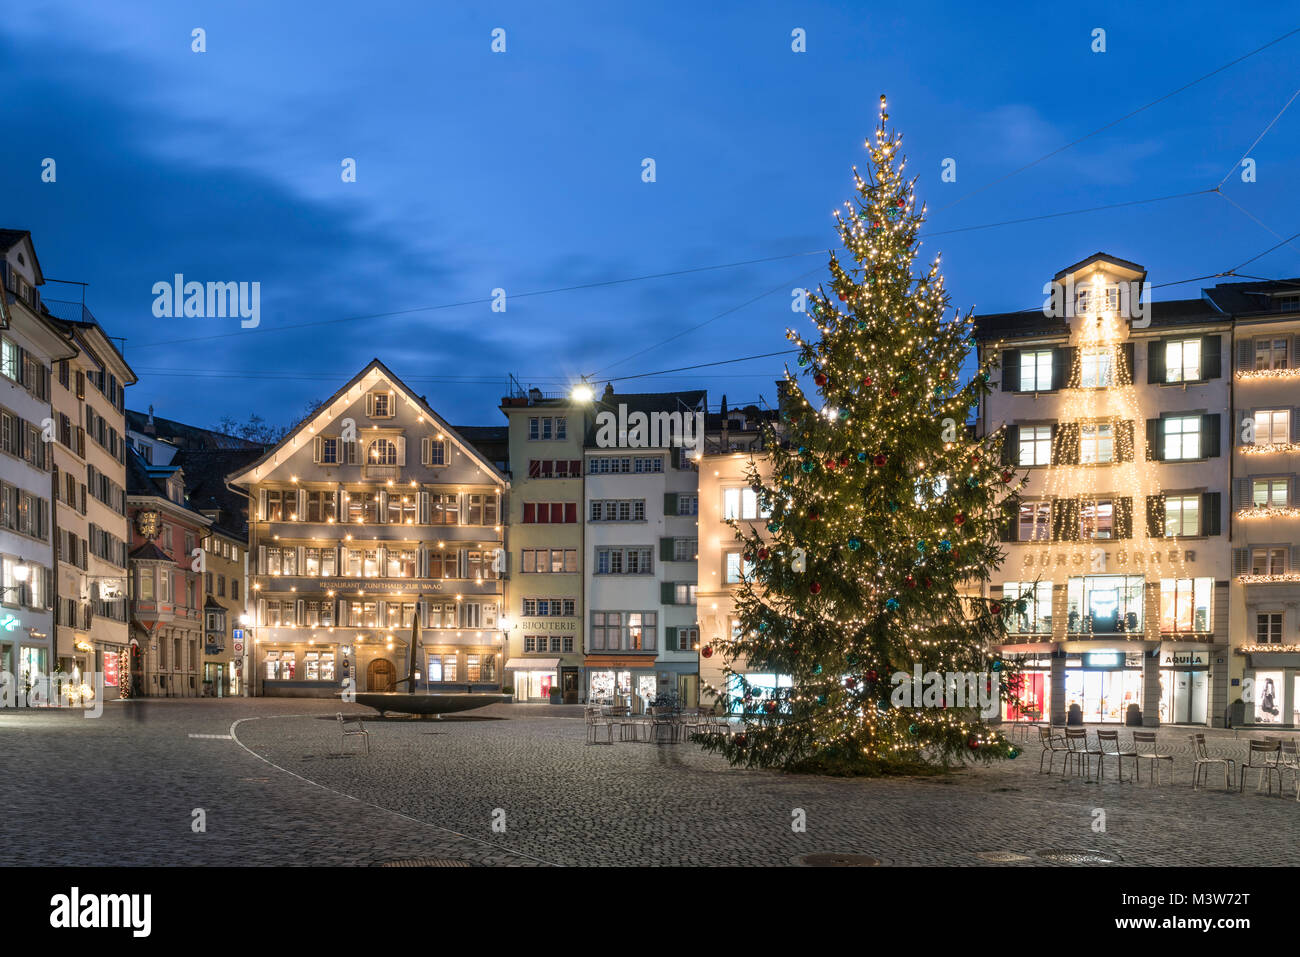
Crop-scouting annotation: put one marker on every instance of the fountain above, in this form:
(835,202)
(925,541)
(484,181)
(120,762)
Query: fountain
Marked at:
(412,701)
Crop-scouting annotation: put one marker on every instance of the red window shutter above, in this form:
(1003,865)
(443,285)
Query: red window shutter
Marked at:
(530,515)
(534,468)
(548,468)
(571,512)
(561,468)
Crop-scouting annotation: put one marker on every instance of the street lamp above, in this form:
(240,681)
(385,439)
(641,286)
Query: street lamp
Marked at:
(21,573)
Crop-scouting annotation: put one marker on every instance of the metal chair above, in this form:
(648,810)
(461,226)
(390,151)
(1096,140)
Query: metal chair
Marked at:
(1144,740)
(351,725)
(1079,751)
(1108,745)
(1203,761)
(1053,744)
(1288,762)
(595,721)
(1269,753)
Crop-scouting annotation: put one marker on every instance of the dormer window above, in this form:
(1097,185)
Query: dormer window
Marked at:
(379,405)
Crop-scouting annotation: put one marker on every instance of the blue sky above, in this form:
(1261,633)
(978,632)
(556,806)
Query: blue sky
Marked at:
(522,170)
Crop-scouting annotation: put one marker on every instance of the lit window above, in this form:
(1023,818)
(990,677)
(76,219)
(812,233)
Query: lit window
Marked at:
(1096,443)
(1036,371)
(1182,515)
(1035,445)
(1183,360)
(1272,426)
(1095,368)
(1035,521)
(1269,493)
(1182,437)
(1096,520)
(1271,354)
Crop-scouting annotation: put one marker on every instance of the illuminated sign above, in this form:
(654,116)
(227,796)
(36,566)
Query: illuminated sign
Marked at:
(1103,659)
(9,623)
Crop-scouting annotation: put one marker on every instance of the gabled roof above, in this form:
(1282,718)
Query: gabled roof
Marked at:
(323,416)
(74,319)
(149,552)
(188,436)
(1101,257)
(9,238)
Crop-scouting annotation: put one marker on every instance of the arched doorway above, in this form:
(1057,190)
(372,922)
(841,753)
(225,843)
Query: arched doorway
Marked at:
(379,675)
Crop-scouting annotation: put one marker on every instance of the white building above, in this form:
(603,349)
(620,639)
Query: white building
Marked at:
(642,538)
(29,345)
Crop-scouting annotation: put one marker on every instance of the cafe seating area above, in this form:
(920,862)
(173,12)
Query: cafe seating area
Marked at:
(658,725)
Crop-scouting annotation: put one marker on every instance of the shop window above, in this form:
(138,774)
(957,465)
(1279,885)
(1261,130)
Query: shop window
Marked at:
(1185,605)
(1268,689)
(1104,604)
(1029,607)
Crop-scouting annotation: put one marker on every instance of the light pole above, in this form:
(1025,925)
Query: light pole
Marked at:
(245,679)
(504,624)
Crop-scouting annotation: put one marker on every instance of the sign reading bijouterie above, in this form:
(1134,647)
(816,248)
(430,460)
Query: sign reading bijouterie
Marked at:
(543,624)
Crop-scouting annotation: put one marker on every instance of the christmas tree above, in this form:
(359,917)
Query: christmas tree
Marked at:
(881,519)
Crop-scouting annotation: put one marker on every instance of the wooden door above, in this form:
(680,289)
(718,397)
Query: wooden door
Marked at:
(379,675)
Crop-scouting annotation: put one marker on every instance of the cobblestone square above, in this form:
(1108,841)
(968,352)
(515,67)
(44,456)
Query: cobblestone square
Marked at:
(517,785)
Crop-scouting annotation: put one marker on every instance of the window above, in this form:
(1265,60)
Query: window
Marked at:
(1036,370)
(320,506)
(1271,354)
(1272,426)
(1029,607)
(1097,443)
(1035,445)
(1182,515)
(1096,368)
(549,560)
(281,665)
(685,549)
(1096,520)
(618,510)
(624,631)
(738,568)
(688,505)
(382,452)
(1035,522)
(648,464)
(401,562)
(553,513)
(1269,492)
(550,607)
(1268,561)
(362,507)
(684,594)
(10,367)
(381,405)
(609,465)
(401,509)
(624,561)
(1183,360)
(1185,605)
(742,503)
(444,508)
(1105,604)
(545,428)
(1182,436)
(329,451)
(437,452)
(1268,628)
(481,509)
(279,503)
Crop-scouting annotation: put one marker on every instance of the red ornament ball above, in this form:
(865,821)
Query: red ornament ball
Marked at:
(830,464)
(851,682)
(959,519)
(867,382)
(871,675)
(762,554)
(769,706)
(1007,477)
(820,378)
(880,460)
(815,588)
(844,461)
(893,393)
(974,743)
(843,298)
(911,582)
(707,651)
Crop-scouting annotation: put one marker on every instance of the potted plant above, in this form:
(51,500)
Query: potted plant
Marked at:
(556,694)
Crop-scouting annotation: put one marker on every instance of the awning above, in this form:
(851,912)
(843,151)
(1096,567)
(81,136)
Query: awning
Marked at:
(620,661)
(532,664)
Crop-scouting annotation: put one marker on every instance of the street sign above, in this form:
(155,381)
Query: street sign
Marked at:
(238,635)
(239,647)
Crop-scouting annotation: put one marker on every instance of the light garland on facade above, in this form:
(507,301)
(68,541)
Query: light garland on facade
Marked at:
(1268,579)
(1269,511)
(1259,649)
(1272,448)
(1248,374)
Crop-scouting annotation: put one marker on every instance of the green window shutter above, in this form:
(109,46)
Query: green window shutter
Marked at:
(670,639)
(667,592)
(670,503)
(1155,361)
(665,549)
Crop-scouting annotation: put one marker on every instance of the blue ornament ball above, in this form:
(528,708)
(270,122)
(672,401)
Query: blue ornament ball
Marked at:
(763,626)
(862,456)
(854,544)
(892,604)
(808,466)
(844,414)
(945,546)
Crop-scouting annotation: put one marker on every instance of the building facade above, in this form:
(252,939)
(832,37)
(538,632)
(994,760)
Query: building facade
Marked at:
(1118,557)
(90,511)
(641,510)
(1265,484)
(29,345)
(544,591)
(369,513)
(165,648)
